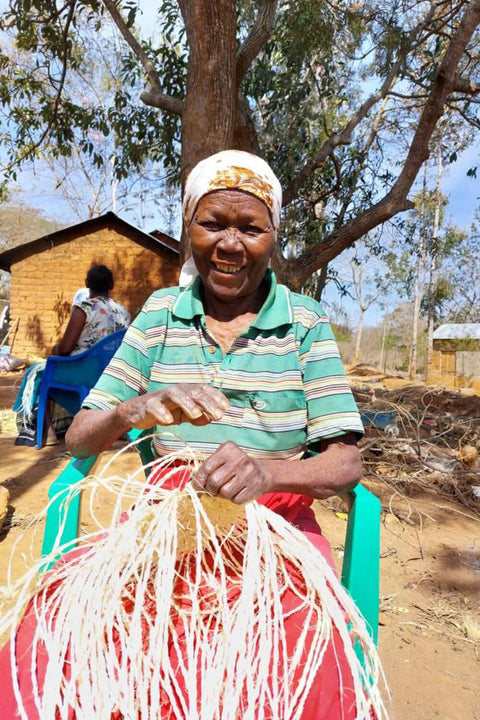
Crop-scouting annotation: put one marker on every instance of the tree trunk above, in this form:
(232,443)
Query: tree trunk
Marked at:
(320,282)
(419,284)
(357,273)
(245,135)
(358,338)
(356,266)
(208,118)
(113,184)
(383,349)
(433,262)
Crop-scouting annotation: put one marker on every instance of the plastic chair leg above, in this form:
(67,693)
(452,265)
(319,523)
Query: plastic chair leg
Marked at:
(41,412)
(361,564)
(61,516)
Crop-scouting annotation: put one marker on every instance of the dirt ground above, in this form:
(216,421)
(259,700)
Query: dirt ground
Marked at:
(430,573)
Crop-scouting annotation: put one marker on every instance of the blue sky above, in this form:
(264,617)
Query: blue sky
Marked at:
(463,192)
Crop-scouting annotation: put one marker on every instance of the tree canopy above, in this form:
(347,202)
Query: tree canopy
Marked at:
(341,97)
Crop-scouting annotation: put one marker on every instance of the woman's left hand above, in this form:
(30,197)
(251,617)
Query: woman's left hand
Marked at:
(231,474)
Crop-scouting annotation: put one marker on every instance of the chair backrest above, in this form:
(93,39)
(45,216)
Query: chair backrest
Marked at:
(86,367)
(69,379)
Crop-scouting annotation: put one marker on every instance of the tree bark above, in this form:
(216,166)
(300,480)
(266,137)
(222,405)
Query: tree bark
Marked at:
(208,119)
(433,261)
(321,281)
(214,118)
(383,349)
(363,305)
(419,284)
(358,335)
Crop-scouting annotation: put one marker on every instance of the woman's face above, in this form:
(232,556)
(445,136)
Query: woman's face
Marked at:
(232,238)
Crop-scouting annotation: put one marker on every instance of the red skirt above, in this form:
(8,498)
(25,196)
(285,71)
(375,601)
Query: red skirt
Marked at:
(331,697)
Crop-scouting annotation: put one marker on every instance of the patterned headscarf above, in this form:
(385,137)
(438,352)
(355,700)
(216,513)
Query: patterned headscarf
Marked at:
(235,170)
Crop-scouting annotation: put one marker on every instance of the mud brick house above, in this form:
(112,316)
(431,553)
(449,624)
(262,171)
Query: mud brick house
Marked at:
(456,356)
(46,273)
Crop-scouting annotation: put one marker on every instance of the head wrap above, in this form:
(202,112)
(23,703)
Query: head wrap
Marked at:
(234,170)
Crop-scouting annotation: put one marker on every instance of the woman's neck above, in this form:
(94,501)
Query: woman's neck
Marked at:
(226,321)
(227,312)
(225,332)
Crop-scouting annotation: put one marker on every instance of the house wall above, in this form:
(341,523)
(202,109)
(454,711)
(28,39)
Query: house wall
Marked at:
(456,368)
(43,285)
(442,371)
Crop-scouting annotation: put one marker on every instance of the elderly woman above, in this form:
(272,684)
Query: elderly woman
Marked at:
(247,372)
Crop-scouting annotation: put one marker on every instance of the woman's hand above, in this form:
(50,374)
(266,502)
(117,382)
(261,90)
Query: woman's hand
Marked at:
(196,404)
(231,474)
(95,430)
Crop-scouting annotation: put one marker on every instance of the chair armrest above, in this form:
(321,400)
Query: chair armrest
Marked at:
(59,514)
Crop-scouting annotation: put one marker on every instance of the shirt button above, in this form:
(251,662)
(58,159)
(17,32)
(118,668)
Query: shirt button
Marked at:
(211,349)
(259,404)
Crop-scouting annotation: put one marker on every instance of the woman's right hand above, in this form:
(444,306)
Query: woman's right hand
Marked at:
(196,404)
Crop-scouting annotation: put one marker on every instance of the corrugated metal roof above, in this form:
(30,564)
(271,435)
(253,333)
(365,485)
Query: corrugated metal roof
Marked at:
(458,331)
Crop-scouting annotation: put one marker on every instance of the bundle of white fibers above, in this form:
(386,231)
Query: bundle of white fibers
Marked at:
(212,645)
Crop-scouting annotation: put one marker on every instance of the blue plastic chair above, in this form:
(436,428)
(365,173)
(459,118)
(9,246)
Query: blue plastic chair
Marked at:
(68,379)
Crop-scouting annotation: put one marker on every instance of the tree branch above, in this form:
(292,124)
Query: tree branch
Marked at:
(153,96)
(258,36)
(395,200)
(344,136)
(468,119)
(465,86)
(338,184)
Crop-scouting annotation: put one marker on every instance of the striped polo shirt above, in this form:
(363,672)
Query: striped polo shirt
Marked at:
(283,375)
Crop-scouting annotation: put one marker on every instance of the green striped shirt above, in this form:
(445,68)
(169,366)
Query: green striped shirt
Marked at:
(283,375)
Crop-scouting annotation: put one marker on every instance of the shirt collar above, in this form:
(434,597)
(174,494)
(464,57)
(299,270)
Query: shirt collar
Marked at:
(189,301)
(275,311)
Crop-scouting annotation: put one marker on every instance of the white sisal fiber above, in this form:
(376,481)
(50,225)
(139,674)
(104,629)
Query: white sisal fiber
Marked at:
(217,569)
(30,394)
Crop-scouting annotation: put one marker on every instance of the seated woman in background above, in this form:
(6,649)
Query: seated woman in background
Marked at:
(91,319)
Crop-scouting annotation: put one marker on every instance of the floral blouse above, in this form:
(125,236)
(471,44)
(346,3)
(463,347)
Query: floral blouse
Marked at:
(104,316)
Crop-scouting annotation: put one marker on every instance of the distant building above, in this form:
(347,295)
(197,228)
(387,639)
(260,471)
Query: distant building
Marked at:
(46,273)
(456,356)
